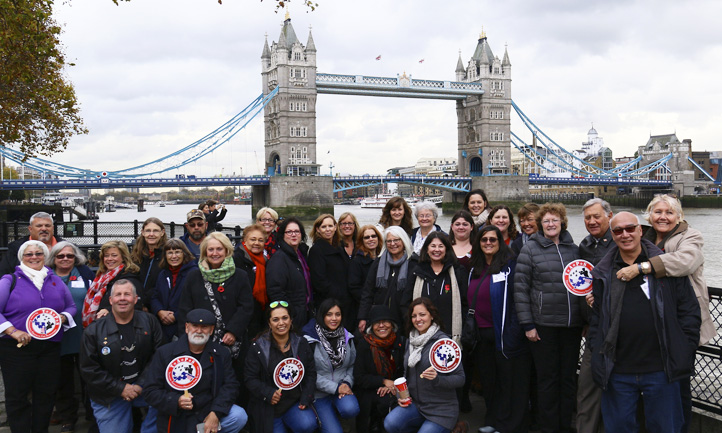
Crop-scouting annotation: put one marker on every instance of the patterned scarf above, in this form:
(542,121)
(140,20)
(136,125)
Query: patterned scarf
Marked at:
(259,286)
(337,353)
(219,275)
(95,294)
(381,353)
(417,343)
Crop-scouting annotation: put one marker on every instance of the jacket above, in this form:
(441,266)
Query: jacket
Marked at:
(328,379)
(101,371)
(329,273)
(133,278)
(73,336)
(435,399)
(593,250)
(392,296)
(216,391)
(259,379)
(683,257)
(10,259)
(166,296)
(148,274)
(676,319)
(539,292)
(358,271)
(285,281)
(192,247)
(365,375)
(244,261)
(214,217)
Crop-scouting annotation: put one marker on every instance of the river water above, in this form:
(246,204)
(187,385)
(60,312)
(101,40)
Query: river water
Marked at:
(704,220)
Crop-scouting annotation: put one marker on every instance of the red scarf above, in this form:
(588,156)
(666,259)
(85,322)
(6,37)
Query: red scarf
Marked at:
(174,271)
(259,287)
(95,294)
(381,353)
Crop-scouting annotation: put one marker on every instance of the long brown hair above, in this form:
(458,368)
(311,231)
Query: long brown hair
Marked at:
(407,223)
(360,240)
(335,240)
(140,248)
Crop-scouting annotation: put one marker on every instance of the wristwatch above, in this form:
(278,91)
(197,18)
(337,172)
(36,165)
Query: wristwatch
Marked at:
(645,267)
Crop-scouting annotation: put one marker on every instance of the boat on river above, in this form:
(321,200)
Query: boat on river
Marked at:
(378,201)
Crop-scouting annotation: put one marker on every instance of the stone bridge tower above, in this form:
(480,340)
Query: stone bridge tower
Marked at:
(290,118)
(484,121)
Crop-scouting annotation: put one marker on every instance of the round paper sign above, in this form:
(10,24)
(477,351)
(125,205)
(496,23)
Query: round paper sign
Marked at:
(578,277)
(445,355)
(43,323)
(183,373)
(288,374)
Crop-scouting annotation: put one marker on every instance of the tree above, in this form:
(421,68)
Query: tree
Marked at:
(39,111)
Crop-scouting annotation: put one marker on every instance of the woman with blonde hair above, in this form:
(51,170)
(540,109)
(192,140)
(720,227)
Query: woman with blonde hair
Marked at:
(370,243)
(348,229)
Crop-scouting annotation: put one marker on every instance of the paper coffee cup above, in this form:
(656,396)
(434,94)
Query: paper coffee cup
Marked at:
(402,388)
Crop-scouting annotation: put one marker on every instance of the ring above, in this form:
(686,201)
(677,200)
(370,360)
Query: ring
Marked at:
(624,279)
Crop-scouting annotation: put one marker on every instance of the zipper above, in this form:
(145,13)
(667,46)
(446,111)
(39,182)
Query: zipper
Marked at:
(569,306)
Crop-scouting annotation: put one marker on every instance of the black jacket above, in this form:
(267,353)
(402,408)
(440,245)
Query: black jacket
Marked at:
(365,375)
(244,261)
(676,319)
(593,251)
(358,271)
(391,296)
(133,278)
(149,271)
(216,391)
(167,296)
(329,278)
(214,217)
(10,259)
(259,379)
(101,371)
(285,282)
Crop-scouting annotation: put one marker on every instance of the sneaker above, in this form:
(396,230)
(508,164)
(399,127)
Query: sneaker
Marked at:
(67,428)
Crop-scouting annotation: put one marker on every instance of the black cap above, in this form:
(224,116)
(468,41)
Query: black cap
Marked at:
(379,313)
(199,316)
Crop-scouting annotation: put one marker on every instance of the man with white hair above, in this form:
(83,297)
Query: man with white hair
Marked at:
(41,229)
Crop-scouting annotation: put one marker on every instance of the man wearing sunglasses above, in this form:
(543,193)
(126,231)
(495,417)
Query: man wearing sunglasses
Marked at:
(196,227)
(41,228)
(643,334)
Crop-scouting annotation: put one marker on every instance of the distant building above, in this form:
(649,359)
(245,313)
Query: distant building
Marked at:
(436,166)
(660,146)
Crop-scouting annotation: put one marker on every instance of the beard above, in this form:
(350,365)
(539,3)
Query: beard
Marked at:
(199,338)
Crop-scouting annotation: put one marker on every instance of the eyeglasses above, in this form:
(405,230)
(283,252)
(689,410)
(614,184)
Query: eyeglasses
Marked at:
(275,304)
(196,224)
(370,237)
(293,232)
(629,229)
(65,256)
(348,224)
(486,240)
(393,241)
(152,231)
(554,221)
(425,216)
(36,254)
(254,240)
(267,220)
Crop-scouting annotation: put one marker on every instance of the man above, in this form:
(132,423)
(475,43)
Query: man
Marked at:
(41,229)
(597,214)
(216,212)
(643,335)
(210,401)
(115,350)
(196,227)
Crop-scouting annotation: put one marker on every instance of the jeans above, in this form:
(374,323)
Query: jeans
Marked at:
(117,418)
(409,419)
(234,421)
(331,407)
(662,403)
(296,420)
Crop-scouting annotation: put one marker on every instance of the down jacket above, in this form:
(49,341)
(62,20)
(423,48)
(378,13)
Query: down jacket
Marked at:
(539,293)
(328,379)
(285,281)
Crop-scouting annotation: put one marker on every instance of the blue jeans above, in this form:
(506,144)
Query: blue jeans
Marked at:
(331,407)
(662,403)
(409,419)
(296,420)
(117,418)
(234,421)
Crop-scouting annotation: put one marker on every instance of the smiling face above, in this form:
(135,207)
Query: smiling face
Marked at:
(215,253)
(476,204)
(327,229)
(436,251)
(596,220)
(382,329)
(397,215)
(394,246)
(528,225)
(152,234)
(267,222)
(347,227)
(552,225)
(628,243)
(502,221)
(198,334)
(332,319)
(421,318)
(65,260)
(461,229)
(112,258)
(370,239)
(292,235)
(122,300)
(426,218)
(254,241)
(34,257)
(174,257)
(663,218)
(489,243)
(41,230)
(280,322)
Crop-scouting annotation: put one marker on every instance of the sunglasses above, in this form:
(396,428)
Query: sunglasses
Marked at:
(629,229)
(275,304)
(196,224)
(65,256)
(486,240)
(36,254)
(370,237)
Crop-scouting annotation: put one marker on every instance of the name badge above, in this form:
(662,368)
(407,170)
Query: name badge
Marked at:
(77,284)
(645,287)
(501,276)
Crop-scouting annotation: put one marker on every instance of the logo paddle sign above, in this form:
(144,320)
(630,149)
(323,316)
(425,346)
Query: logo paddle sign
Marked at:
(183,373)
(445,355)
(578,277)
(43,323)
(288,374)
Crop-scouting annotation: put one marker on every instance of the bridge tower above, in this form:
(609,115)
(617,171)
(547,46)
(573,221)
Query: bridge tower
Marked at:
(290,118)
(484,122)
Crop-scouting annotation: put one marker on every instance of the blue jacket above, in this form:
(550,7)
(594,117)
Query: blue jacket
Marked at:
(328,379)
(167,296)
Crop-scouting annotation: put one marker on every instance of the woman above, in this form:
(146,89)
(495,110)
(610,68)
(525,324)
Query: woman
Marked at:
(502,217)
(396,212)
(433,406)
(550,315)
(287,273)
(502,354)
(249,257)
(369,242)
(30,366)
(527,223)
(268,217)
(477,205)
(426,214)
(271,409)
(439,278)
(68,262)
(216,213)
(115,264)
(682,246)
(329,266)
(387,277)
(176,264)
(218,286)
(334,354)
(147,254)
(462,226)
(348,229)
(378,364)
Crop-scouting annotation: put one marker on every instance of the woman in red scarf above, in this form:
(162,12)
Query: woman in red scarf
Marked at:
(249,257)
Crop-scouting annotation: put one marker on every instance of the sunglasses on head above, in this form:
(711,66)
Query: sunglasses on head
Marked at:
(629,229)
(275,304)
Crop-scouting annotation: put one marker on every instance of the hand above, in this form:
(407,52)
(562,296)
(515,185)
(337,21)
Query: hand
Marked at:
(276,397)
(532,335)
(388,388)
(130,392)
(344,390)
(63,319)
(429,374)
(228,339)
(628,273)
(590,300)
(101,313)
(22,337)
(302,406)
(362,326)
(166,317)
(185,402)
(211,423)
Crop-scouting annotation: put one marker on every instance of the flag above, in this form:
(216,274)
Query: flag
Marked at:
(379,57)
(421,61)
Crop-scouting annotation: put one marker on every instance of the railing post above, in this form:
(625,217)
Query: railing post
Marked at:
(95,232)
(15,229)
(135,229)
(172,229)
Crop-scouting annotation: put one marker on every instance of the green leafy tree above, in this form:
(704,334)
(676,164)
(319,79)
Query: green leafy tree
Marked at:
(39,111)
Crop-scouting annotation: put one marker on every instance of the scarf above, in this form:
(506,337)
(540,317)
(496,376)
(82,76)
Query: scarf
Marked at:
(382,274)
(417,343)
(174,272)
(456,313)
(95,294)
(334,342)
(381,354)
(480,219)
(219,275)
(259,286)
(37,277)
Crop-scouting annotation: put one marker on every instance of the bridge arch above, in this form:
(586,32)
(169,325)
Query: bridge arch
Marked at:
(476,167)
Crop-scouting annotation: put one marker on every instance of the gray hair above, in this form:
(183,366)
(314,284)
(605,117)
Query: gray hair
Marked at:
(40,215)
(79,256)
(121,282)
(401,234)
(31,243)
(672,202)
(426,205)
(603,203)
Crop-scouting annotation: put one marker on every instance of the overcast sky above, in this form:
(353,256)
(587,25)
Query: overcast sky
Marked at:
(153,76)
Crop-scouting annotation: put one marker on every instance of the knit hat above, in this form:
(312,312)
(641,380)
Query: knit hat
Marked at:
(379,313)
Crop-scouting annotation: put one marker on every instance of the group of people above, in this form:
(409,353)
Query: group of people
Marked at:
(292,338)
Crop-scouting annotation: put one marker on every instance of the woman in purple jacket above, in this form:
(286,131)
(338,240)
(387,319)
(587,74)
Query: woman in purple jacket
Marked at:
(30,365)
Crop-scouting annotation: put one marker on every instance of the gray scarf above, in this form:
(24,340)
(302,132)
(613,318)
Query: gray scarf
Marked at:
(385,263)
(417,343)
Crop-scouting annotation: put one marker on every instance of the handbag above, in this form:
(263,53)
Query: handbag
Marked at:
(469,327)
